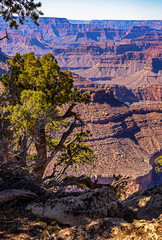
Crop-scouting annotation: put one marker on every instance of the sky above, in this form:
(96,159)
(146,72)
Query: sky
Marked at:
(103,9)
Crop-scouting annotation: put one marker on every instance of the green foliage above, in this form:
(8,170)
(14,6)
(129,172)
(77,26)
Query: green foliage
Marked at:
(28,72)
(121,185)
(77,151)
(36,91)
(20,8)
(37,87)
(158,162)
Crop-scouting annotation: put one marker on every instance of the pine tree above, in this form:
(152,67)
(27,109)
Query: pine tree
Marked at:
(38,104)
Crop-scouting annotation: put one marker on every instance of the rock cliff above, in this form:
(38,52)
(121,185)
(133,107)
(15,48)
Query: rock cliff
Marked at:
(131,64)
(124,137)
(126,24)
(60,33)
(90,214)
(149,92)
(99,53)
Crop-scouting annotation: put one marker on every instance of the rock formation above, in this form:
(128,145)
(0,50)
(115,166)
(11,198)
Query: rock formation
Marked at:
(145,204)
(90,214)
(98,51)
(90,205)
(124,137)
(121,63)
(61,33)
(151,92)
(126,24)
(99,215)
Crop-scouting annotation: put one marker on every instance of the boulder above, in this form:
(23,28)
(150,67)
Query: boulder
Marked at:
(146,204)
(80,208)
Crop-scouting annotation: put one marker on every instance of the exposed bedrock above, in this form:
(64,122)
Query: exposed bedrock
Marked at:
(97,214)
(80,208)
(115,63)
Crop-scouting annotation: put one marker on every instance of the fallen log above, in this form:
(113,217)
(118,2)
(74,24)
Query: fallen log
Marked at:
(15,195)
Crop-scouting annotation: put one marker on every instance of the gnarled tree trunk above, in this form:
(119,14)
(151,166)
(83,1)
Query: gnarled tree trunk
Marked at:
(41,147)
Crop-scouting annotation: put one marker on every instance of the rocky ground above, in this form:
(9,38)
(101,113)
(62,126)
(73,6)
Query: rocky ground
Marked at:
(90,215)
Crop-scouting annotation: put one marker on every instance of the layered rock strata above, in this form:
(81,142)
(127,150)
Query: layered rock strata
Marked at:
(124,137)
(126,64)
(60,33)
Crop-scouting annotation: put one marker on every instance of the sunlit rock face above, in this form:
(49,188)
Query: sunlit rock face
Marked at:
(61,33)
(132,64)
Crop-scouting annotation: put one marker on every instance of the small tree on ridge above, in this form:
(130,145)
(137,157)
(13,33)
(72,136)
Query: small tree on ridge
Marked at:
(35,91)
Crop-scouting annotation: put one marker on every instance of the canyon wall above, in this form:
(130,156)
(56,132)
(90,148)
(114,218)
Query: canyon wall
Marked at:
(121,52)
(127,24)
(115,63)
(60,33)
(124,137)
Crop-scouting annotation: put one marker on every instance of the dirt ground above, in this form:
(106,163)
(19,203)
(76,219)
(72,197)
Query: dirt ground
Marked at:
(17,223)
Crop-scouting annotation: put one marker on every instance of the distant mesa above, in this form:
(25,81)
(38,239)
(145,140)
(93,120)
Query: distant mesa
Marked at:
(139,31)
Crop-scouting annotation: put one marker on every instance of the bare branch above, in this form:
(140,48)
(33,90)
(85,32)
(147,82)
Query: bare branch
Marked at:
(64,137)
(6,36)
(15,195)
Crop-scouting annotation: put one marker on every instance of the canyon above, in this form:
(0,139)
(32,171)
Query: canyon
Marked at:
(59,32)
(118,52)
(124,137)
(120,64)
(115,63)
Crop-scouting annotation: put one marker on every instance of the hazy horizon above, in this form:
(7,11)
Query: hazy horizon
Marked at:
(103,10)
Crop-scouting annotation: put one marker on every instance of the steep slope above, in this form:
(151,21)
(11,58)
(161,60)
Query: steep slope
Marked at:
(139,31)
(100,35)
(124,137)
(151,72)
(145,76)
(149,92)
